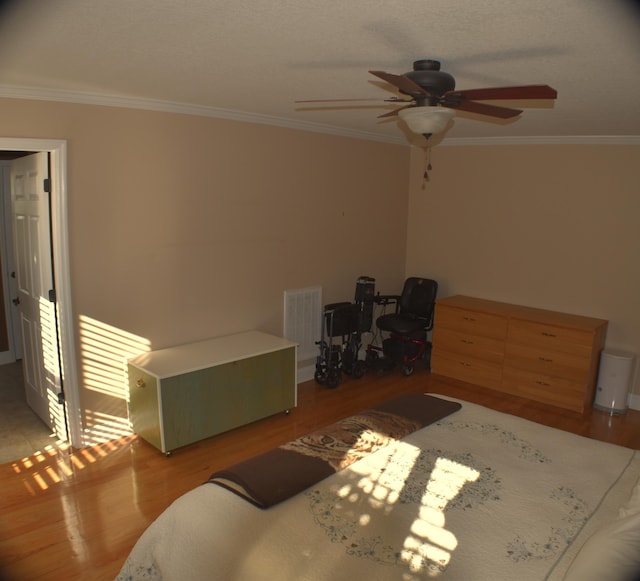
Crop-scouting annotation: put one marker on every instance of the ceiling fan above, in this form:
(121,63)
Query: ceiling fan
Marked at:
(432,97)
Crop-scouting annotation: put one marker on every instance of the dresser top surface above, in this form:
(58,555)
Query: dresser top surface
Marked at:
(475,304)
(209,353)
(521,312)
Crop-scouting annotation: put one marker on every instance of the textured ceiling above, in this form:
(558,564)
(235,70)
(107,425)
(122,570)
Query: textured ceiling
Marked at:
(257,56)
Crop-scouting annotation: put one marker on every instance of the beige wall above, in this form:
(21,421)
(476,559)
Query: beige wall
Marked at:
(184,227)
(550,226)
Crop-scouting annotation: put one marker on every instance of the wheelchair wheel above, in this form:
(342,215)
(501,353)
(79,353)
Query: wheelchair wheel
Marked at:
(320,376)
(407,370)
(372,357)
(358,369)
(333,378)
(347,362)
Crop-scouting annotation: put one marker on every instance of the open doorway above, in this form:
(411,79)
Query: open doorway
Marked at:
(22,432)
(10,339)
(32,412)
(59,238)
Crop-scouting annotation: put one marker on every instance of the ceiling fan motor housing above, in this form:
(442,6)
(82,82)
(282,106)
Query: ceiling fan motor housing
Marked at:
(427,74)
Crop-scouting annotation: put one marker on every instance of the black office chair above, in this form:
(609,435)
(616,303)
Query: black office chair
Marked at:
(409,324)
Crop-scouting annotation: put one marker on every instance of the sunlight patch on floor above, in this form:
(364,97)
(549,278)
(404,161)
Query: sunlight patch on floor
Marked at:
(55,465)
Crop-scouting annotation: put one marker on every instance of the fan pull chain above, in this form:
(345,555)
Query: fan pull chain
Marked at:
(428,167)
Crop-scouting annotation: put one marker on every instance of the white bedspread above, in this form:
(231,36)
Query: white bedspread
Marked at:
(479,495)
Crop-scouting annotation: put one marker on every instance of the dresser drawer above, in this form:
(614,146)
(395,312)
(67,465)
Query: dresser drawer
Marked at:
(566,365)
(544,388)
(551,338)
(485,348)
(471,322)
(466,368)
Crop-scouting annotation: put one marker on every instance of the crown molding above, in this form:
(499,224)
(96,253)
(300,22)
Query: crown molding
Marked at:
(544,140)
(87,98)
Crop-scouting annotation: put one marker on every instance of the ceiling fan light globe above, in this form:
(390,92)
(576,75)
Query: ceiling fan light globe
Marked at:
(426,120)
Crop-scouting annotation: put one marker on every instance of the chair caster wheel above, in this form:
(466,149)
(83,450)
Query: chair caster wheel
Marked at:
(407,370)
(358,369)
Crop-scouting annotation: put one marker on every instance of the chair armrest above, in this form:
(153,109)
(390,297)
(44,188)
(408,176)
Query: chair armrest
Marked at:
(386,299)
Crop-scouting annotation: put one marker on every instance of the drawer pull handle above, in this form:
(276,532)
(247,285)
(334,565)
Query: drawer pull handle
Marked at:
(466,341)
(469,319)
(141,383)
(464,364)
(544,383)
(545,334)
(546,359)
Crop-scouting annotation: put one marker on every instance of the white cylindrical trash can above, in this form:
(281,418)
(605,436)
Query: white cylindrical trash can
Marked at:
(614,379)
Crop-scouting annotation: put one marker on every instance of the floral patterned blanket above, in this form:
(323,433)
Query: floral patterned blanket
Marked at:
(476,495)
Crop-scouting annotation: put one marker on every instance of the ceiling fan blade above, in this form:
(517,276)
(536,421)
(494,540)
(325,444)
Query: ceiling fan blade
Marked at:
(392,100)
(521,92)
(333,100)
(484,109)
(394,112)
(402,82)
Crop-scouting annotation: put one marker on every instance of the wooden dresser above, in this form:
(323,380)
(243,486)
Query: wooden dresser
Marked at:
(541,355)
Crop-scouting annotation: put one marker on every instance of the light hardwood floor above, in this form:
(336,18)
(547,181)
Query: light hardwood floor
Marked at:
(77,514)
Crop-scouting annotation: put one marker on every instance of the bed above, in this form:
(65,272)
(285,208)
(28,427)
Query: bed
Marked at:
(475,494)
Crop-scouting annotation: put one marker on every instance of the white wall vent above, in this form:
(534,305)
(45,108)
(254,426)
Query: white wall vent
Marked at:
(303,319)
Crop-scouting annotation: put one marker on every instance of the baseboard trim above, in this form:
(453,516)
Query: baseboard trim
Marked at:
(7,357)
(306,373)
(634,401)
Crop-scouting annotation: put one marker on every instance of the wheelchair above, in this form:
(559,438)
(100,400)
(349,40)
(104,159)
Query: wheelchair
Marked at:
(342,327)
(404,331)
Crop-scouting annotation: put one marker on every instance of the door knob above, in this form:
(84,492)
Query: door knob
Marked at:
(16,301)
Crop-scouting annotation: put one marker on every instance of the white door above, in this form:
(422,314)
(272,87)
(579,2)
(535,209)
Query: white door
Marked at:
(34,280)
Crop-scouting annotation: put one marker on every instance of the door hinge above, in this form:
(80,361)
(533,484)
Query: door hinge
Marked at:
(52,295)
(46,184)
(61,397)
